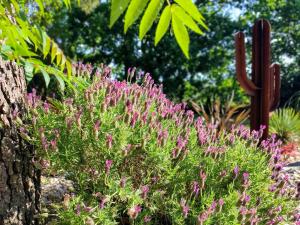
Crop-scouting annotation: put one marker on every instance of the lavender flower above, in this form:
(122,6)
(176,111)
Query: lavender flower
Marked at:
(96,128)
(102,203)
(134,211)
(185,208)
(236,172)
(108,164)
(202,218)
(145,189)
(109,140)
(203,177)
(221,203)
(196,188)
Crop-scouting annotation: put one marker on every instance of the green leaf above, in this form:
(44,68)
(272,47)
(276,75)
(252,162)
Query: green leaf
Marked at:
(135,8)
(163,24)
(53,51)
(58,58)
(149,16)
(69,68)
(28,71)
(46,76)
(41,6)
(185,18)
(117,8)
(191,9)
(61,82)
(67,3)
(181,35)
(46,45)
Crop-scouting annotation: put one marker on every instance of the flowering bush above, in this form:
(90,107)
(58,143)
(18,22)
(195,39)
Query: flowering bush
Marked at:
(136,157)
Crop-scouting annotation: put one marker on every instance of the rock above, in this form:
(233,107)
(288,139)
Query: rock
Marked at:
(53,191)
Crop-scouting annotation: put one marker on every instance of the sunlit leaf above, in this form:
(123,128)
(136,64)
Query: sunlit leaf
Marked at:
(46,44)
(181,34)
(41,6)
(135,8)
(28,69)
(58,57)
(163,24)
(117,8)
(192,10)
(53,51)
(150,16)
(45,76)
(185,18)
(69,68)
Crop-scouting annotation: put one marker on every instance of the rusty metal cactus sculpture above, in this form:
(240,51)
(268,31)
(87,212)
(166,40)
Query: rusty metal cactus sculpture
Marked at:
(264,88)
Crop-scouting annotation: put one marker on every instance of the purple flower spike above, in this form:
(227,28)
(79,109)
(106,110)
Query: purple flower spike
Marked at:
(247,198)
(145,189)
(236,172)
(196,188)
(221,203)
(102,202)
(109,140)
(134,211)
(46,107)
(108,164)
(122,182)
(202,218)
(185,208)
(185,211)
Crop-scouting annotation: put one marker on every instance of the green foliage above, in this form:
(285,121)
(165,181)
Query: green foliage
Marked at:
(149,17)
(136,156)
(29,44)
(184,13)
(163,24)
(285,123)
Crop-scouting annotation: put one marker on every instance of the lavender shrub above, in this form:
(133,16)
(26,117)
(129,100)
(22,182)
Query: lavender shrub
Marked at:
(138,158)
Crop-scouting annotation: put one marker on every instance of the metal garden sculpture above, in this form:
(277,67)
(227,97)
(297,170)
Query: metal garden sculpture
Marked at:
(264,88)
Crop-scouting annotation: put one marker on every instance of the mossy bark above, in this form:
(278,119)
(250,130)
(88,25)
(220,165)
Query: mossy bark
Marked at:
(19,180)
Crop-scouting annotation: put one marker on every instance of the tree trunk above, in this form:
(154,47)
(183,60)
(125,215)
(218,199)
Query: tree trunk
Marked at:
(19,180)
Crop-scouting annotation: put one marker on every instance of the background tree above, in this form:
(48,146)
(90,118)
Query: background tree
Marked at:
(210,70)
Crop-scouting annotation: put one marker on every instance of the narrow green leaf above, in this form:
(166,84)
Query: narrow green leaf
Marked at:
(53,51)
(117,8)
(47,46)
(28,68)
(58,58)
(185,18)
(150,16)
(63,62)
(135,8)
(61,82)
(181,35)
(191,9)
(163,24)
(44,38)
(67,3)
(46,76)
(69,68)
(41,6)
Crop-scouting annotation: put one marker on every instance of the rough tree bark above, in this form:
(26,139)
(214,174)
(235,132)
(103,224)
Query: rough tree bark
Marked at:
(19,180)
